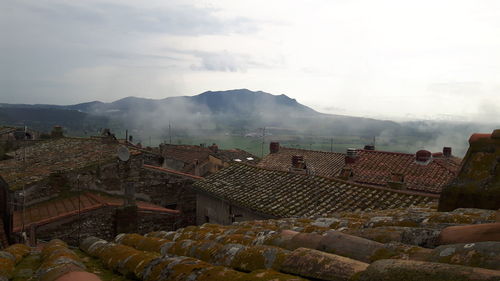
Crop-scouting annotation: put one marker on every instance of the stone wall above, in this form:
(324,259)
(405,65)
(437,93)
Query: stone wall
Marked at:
(166,190)
(95,223)
(213,210)
(478,183)
(101,223)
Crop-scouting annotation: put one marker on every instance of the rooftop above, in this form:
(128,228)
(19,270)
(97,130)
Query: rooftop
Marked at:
(61,208)
(190,153)
(38,161)
(321,163)
(376,245)
(286,194)
(377,167)
(371,167)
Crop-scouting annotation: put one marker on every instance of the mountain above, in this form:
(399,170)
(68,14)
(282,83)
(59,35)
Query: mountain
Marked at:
(222,111)
(44,118)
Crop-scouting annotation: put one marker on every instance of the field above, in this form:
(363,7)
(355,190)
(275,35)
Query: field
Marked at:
(256,146)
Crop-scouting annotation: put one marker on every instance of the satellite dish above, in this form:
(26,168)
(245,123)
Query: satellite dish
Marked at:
(123,153)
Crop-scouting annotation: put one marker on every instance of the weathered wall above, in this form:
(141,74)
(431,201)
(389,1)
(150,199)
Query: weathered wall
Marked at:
(96,223)
(210,209)
(478,182)
(101,223)
(166,190)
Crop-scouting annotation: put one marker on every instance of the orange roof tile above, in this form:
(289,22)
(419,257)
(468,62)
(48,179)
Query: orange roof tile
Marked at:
(38,161)
(376,167)
(170,171)
(321,163)
(54,210)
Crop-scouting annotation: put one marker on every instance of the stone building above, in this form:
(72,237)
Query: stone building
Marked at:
(243,192)
(478,182)
(66,167)
(201,160)
(423,171)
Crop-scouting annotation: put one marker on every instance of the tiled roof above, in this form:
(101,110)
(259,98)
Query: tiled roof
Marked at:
(38,161)
(6,130)
(373,245)
(376,167)
(190,153)
(232,155)
(320,163)
(54,210)
(170,171)
(185,153)
(284,194)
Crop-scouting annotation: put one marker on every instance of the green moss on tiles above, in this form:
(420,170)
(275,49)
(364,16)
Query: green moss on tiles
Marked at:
(97,267)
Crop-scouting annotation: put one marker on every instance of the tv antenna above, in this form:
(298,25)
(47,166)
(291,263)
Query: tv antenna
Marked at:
(123,153)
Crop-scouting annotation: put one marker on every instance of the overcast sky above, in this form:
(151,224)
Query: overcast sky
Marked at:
(384,58)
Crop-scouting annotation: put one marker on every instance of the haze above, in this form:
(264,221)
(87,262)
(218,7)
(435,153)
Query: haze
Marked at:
(385,59)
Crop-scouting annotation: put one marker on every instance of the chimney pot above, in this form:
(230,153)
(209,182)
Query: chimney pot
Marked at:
(298,162)
(214,148)
(446,151)
(423,156)
(274,147)
(350,157)
(369,147)
(495,134)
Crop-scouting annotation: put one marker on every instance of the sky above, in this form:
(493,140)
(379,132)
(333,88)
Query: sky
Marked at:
(392,59)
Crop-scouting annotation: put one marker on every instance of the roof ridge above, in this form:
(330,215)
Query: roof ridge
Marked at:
(356,184)
(311,150)
(171,171)
(387,152)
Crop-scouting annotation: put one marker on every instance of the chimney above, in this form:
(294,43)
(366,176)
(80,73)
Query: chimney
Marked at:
(298,162)
(57,132)
(369,147)
(447,151)
(350,157)
(214,148)
(396,181)
(274,147)
(345,173)
(197,168)
(423,157)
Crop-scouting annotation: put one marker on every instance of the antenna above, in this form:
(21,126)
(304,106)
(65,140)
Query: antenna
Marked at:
(123,153)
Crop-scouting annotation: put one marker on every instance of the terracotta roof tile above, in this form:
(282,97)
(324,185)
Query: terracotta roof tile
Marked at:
(54,210)
(38,161)
(343,246)
(230,155)
(170,171)
(376,168)
(319,163)
(284,194)
(185,153)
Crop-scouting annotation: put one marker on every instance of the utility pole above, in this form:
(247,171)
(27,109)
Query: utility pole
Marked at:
(263,136)
(331,145)
(170,132)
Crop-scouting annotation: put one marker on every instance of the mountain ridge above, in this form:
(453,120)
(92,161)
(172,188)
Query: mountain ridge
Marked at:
(223,110)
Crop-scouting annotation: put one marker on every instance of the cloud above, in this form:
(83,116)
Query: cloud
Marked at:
(466,88)
(220,62)
(173,17)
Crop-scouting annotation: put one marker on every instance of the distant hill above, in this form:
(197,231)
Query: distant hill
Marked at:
(43,119)
(240,109)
